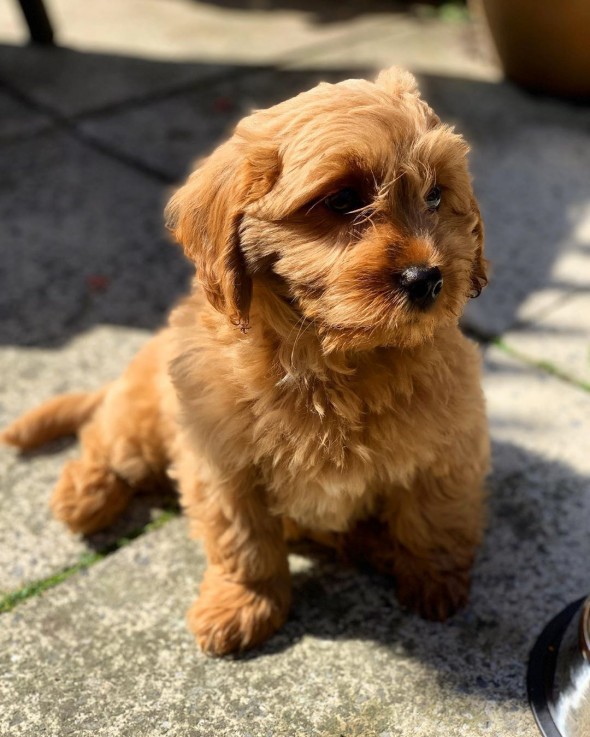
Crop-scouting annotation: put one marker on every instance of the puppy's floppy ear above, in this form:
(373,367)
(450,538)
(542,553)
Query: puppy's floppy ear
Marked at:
(479,275)
(205,216)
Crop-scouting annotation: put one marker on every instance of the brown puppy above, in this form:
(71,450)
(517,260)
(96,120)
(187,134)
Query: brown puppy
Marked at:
(316,379)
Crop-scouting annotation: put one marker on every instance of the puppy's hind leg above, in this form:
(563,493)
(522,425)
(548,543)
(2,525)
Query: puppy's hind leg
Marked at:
(125,447)
(89,495)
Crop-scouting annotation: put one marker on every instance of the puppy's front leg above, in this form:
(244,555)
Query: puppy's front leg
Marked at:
(436,528)
(246,591)
(427,537)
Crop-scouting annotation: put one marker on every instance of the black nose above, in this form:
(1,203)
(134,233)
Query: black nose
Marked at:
(422,284)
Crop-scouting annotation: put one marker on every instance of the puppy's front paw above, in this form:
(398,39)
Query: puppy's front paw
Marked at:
(230,616)
(434,592)
(88,497)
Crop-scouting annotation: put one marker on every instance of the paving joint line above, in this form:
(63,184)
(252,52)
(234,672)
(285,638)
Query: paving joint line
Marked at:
(545,366)
(116,154)
(70,124)
(11,138)
(139,101)
(9,601)
(122,105)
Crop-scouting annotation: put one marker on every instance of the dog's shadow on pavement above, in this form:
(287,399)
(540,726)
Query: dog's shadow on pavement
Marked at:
(146,510)
(532,563)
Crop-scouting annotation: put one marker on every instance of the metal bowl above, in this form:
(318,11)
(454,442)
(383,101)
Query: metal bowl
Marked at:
(559,674)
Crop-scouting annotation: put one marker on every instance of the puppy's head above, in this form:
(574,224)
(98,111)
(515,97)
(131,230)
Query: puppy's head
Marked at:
(350,206)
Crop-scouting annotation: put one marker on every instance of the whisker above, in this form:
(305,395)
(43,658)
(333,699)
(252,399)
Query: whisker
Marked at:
(315,204)
(299,336)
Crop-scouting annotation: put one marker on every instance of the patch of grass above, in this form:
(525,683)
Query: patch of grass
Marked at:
(86,560)
(545,366)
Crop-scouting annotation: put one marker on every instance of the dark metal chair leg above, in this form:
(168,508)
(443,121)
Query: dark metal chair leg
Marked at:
(38,21)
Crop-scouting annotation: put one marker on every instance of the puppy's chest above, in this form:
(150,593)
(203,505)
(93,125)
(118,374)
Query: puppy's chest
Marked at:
(326,453)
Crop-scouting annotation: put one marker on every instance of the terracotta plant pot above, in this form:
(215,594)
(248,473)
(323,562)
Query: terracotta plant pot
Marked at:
(543,44)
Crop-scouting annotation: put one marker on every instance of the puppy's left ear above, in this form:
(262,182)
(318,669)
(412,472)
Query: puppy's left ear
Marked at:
(205,215)
(479,269)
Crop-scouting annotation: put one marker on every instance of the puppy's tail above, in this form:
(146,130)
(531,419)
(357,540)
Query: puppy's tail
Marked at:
(62,415)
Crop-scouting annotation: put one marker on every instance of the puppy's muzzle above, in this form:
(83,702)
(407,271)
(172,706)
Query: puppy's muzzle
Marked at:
(422,284)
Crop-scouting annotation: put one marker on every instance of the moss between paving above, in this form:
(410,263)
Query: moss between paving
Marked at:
(10,600)
(544,365)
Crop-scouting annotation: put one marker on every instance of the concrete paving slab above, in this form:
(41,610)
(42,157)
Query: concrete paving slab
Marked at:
(18,120)
(534,193)
(136,49)
(233,32)
(83,243)
(83,246)
(107,653)
(540,415)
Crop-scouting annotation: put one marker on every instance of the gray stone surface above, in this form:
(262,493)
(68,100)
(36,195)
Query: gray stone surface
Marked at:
(12,25)
(18,120)
(83,246)
(68,82)
(83,243)
(112,656)
(251,32)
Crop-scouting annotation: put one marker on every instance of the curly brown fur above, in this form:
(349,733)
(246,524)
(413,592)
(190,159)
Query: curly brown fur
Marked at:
(298,389)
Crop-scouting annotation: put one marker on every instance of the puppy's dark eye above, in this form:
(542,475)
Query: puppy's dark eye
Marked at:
(343,202)
(433,198)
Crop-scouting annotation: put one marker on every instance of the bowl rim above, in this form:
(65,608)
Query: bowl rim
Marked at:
(541,668)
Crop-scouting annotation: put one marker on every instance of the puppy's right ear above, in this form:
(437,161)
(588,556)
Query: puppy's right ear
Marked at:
(479,269)
(205,216)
